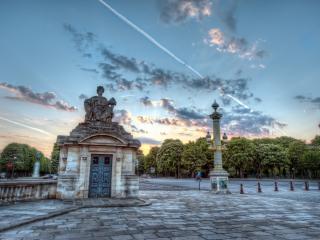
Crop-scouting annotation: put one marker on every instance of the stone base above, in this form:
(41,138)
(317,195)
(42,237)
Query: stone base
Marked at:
(66,186)
(219,181)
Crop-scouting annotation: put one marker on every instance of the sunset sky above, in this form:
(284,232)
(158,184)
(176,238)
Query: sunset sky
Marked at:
(165,62)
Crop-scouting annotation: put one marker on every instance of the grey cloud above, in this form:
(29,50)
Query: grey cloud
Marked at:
(122,116)
(138,130)
(226,12)
(82,40)
(48,99)
(151,141)
(146,101)
(241,121)
(178,11)
(147,76)
(92,70)
(313,101)
(120,61)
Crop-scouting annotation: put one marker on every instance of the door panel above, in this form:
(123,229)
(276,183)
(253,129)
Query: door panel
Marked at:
(100,176)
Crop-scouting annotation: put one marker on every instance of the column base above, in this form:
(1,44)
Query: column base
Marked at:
(219,181)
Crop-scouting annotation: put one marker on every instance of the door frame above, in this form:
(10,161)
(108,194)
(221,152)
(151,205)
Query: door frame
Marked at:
(111,172)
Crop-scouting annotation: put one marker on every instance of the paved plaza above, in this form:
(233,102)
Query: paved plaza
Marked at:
(179,211)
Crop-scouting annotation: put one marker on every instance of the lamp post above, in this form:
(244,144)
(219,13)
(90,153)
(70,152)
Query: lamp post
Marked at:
(218,176)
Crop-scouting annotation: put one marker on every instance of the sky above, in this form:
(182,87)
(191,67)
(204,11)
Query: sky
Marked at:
(165,62)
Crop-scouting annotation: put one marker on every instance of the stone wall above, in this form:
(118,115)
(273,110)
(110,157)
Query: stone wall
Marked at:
(19,190)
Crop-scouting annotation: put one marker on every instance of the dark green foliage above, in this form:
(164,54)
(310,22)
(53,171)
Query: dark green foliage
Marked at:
(316,141)
(55,158)
(169,158)
(23,157)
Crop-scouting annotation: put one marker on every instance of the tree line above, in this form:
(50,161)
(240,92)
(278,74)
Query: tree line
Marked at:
(265,157)
(22,157)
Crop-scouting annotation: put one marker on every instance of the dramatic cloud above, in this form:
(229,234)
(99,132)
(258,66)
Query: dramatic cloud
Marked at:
(180,113)
(234,45)
(47,99)
(244,122)
(150,76)
(314,101)
(124,73)
(237,122)
(177,11)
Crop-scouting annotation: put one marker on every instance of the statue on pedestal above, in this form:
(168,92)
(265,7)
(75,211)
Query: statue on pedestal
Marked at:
(99,108)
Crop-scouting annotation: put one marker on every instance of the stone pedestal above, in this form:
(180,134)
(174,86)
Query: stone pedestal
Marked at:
(219,181)
(36,169)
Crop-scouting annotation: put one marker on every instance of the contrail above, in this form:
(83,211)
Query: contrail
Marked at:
(150,38)
(167,51)
(159,45)
(26,126)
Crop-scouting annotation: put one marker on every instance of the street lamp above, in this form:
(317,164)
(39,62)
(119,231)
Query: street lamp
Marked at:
(218,176)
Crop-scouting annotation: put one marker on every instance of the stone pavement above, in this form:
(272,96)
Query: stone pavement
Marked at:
(186,214)
(25,212)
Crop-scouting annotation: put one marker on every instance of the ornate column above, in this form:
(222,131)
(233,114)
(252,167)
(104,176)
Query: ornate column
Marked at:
(218,176)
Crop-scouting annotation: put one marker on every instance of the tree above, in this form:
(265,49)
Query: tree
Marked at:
(23,157)
(316,141)
(284,141)
(296,152)
(196,156)
(239,155)
(169,157)
(272,157)
(55,155)
(311,163)
(141,162)
(150,160)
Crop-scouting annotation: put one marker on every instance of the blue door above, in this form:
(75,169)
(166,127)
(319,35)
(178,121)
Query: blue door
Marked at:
(100,176)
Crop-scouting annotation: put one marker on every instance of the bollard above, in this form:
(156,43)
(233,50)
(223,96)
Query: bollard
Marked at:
(318,185)
(306,186)
(291,186)
(276,187)
(241,189)
(259,188)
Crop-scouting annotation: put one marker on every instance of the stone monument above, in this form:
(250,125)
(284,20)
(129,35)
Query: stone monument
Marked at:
(218,176)
(98,157)
(36,166)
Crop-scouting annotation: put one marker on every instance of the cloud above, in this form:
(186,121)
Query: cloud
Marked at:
(83,96)
(81,40)
(146,101)
(123,117)
(234,45)
(124,73)
(137,130)
(310,100)
(151,141)
(226,13)
(180,113)
(237,122)
(178,11)
(47,99)
(245,122)
(92,70)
